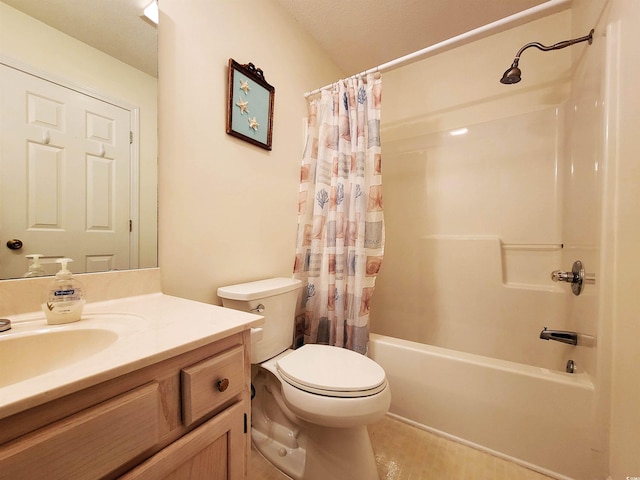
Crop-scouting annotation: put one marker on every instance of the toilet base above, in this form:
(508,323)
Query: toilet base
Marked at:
(339,454)
(289,459)
(328,453)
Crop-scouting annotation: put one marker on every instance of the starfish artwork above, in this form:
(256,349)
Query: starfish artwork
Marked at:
(243,106)
(244,86)
(253,123)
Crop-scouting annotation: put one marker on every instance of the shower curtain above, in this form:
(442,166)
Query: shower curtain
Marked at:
(340,241)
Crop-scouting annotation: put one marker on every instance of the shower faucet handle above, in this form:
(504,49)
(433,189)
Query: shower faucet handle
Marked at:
(576,277)
(560,276)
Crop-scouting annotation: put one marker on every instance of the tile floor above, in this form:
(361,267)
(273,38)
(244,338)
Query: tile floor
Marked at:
(404,452)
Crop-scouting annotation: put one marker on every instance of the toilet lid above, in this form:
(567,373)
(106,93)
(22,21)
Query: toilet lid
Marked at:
(332,371)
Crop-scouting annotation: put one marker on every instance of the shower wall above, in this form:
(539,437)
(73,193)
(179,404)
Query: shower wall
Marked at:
(473,230)
(584,167)
(474,187)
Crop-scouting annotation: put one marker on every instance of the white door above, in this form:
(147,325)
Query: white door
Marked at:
(64,176)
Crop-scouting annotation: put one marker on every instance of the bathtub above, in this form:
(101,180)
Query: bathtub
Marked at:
(530,415)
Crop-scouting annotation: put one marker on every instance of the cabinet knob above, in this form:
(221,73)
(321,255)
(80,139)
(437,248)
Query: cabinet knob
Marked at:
(223,384)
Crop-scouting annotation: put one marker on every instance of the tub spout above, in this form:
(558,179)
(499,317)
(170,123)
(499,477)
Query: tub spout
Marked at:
(559,336)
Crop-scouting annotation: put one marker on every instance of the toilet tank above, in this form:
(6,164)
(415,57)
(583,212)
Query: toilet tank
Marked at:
(278,297)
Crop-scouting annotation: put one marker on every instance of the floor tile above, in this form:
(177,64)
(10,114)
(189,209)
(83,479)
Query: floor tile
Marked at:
(404,452)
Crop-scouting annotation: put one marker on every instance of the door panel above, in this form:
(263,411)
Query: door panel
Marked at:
(68,155)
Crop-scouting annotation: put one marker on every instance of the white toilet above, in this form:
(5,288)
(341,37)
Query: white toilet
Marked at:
(311,405)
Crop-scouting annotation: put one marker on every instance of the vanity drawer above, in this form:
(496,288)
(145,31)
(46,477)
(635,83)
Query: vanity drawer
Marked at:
(209,384)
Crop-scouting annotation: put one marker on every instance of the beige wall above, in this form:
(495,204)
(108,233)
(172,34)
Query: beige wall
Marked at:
(228,208)
(62,57)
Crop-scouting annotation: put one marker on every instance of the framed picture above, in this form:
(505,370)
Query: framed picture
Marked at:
(250,107)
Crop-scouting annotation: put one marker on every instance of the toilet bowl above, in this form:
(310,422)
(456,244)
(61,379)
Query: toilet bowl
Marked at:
(310,406)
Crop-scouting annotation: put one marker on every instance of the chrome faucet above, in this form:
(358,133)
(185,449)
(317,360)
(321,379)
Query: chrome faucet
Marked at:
(559,336)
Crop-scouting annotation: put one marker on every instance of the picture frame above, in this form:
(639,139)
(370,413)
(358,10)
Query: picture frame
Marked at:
(250,105)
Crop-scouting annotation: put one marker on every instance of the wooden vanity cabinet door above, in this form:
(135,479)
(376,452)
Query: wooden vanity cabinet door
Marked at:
(213,451)
(90,444)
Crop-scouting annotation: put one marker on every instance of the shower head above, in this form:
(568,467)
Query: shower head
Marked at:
(513,73)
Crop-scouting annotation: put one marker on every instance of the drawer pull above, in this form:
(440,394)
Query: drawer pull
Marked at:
(223,384)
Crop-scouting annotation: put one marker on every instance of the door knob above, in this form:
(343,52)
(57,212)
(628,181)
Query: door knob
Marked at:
(576,277)
(14,244)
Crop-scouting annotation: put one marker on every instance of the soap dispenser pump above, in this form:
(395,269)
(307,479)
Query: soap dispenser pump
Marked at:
(35,269)
(63,300)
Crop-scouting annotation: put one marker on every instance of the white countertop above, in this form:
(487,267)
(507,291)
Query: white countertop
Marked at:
(150,328)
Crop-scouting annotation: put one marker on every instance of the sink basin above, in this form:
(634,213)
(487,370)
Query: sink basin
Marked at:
(27,355)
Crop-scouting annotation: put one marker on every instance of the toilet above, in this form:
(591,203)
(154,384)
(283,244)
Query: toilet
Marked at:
(311,406)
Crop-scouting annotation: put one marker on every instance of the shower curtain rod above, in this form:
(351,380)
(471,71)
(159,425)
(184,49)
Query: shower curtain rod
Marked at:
(546,8)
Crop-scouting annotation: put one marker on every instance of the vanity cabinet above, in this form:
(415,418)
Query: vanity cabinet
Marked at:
(203,453)
(184,417)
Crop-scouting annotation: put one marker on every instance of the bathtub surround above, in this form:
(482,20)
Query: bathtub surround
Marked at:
(514,198)
(340,241)
(481,243)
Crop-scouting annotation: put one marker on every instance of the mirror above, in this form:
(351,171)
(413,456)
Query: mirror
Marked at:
(68,194)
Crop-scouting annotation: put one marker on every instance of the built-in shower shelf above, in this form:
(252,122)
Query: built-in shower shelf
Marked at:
(533,247)
(516,265)
(527,265)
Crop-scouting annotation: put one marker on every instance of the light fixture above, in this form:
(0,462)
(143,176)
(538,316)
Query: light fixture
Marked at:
(150,12)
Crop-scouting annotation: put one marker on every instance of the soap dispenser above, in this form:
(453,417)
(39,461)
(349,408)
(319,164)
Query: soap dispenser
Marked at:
(35,269)
(63,299)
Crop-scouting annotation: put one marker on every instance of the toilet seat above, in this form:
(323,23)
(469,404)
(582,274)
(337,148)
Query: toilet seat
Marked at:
(331,371)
